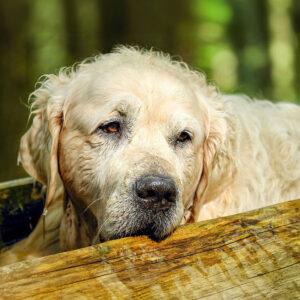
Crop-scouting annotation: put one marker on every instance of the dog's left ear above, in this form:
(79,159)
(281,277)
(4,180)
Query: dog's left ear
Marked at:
(216,129)
(39,146)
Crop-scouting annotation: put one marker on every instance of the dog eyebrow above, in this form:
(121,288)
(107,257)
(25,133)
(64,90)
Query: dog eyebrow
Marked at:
(119,108)
(188,123)
(125,104)
(122,109)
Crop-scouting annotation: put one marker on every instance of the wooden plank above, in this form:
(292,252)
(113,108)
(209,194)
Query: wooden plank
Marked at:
(21,204)
(16,183)
(255,255)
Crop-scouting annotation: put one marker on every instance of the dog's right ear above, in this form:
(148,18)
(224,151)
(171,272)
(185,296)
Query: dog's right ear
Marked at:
(39,145)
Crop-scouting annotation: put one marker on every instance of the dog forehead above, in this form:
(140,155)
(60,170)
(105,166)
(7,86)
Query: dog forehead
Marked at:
(159,92)
(157,89)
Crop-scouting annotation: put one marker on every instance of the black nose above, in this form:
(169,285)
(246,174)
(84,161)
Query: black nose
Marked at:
(155,191)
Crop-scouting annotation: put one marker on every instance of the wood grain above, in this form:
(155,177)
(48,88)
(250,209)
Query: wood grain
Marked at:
(255,255)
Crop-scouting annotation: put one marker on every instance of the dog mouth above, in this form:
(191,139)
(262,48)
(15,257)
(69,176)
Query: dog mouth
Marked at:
(150,208)
(150,230)
(157,223)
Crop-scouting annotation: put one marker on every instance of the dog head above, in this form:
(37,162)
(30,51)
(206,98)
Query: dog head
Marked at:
(132,135)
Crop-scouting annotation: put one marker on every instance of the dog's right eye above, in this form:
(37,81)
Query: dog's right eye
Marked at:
(111,128)
(183,137)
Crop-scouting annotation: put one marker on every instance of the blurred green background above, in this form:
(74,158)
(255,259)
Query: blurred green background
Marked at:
(244,46)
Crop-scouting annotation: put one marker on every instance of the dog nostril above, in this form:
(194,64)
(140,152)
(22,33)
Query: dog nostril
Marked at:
(156,191)
(164,201)
(144,193)
(150,194)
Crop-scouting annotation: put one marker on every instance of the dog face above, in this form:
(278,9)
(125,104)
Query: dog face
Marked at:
(131,135)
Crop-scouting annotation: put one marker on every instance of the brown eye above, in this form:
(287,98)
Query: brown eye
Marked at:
(112,127)
(184,137)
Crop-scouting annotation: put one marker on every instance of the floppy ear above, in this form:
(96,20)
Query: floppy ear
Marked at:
(39,145)
(215,136)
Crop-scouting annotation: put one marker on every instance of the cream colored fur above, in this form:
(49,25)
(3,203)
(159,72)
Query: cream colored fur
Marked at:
(244,153)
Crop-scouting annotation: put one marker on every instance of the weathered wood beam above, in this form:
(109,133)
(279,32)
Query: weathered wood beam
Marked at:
(21,204)
(254,255)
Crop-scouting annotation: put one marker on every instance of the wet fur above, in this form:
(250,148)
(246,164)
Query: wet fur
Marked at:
(244,154)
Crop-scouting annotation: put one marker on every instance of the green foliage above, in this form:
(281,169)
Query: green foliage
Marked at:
(216,11)
(48,36)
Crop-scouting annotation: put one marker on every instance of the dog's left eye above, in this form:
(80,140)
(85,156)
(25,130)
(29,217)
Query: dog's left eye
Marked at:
(112,127)
(184,137)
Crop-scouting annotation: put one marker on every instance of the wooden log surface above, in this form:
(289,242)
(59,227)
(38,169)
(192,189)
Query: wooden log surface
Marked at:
(255,255)
(21,204)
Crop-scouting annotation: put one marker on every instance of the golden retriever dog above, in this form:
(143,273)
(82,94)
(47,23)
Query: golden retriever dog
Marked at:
(132,143)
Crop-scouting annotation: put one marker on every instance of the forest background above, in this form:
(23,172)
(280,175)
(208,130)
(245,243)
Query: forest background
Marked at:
(243,46)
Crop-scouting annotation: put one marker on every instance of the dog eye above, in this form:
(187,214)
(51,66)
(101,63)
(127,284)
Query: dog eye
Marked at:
(112,127)
(184,137)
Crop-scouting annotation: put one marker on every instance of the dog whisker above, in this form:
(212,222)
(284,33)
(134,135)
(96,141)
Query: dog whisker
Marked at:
(101,227)
(93,202)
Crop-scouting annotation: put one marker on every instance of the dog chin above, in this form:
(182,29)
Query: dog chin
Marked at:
(157,229)
(153,234)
